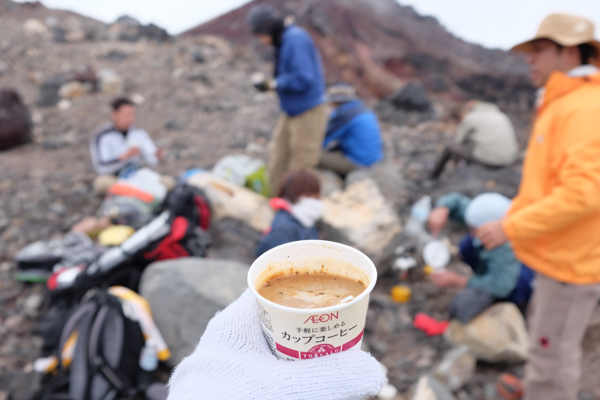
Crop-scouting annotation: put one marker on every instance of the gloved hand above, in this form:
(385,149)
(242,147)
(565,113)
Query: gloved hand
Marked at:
(265,86)
(233,361)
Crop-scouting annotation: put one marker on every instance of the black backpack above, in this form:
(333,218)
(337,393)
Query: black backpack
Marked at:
(98,353)
(191,203)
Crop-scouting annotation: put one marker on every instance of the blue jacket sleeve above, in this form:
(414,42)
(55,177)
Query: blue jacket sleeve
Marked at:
(296,72)
(456,203)
(503,271)
(337,135)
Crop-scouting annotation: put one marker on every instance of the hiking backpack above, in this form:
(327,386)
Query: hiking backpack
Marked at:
(179,231)
(98,353)
(190,219)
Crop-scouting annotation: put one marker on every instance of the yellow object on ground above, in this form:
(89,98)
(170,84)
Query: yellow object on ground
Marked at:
(401,294)
(428,270)
(115,235)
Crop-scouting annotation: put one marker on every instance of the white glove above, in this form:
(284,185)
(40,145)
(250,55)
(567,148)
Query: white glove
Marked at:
(233,361)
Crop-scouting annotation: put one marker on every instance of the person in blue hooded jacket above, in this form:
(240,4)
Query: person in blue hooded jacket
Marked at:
(298,208)
(497,274)
(353,136)
(300,84)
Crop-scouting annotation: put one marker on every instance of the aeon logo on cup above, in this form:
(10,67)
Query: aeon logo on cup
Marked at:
(322,318)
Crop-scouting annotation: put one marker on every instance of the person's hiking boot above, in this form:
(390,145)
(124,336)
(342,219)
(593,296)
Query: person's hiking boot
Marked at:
(509,387)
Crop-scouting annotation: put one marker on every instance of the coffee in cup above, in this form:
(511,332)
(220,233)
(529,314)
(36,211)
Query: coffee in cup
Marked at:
(312,297)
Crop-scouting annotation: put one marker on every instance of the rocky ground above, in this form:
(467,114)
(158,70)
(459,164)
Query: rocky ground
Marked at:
(196,101)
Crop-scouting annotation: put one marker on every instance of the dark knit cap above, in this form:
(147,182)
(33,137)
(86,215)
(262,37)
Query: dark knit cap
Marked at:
(262,18)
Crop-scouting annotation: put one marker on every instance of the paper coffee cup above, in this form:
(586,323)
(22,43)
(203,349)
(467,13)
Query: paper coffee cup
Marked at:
(298,334)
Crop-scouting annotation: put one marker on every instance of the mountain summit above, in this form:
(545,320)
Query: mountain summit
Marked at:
(379,45)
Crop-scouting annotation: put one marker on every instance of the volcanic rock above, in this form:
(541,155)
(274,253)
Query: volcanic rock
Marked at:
(184,294)
(496,335)
(15,121)
(360,216)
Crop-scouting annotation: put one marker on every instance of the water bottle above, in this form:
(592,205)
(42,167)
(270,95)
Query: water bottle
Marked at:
(148,363)
(418,216)
(148,359)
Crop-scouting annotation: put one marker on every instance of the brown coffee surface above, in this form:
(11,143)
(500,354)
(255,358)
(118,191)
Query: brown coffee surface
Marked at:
(310,290)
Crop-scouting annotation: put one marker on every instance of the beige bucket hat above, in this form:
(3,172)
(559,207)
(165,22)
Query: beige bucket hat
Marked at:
(564,29)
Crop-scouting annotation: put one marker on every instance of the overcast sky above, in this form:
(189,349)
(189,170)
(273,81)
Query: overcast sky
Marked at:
(491,23)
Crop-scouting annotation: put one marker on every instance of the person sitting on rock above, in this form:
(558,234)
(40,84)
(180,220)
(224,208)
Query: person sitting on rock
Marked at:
(353,137)
(299,208)
(498,275)
(485,136)
(120,146)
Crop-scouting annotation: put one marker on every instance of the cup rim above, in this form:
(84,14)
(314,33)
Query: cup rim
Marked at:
(321,310)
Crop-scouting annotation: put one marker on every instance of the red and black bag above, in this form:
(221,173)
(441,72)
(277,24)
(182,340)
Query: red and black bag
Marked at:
(190,219)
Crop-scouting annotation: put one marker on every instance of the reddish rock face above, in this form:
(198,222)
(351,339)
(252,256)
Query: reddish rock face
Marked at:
(15,121)
(379,45)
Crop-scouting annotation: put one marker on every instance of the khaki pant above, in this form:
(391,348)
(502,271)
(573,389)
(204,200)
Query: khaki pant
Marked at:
(296,143)
(337,162)
(558,318)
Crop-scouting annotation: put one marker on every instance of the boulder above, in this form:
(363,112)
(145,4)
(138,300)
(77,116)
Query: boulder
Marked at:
(330,182)
(496,335)
(429,388)
(35,27)
(389,179)
(412,97)
(456,368)
(21,385)
(229,200)
(71,90)
(360,216)
(111,83)
(226,231)
(408,106)
(15,120)
(129,29)
(184,294)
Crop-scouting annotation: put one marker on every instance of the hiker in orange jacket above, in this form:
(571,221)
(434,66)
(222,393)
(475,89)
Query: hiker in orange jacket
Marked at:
(554,222)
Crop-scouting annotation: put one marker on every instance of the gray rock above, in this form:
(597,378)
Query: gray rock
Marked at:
(457,368)
(496,335)
(185,294)
(429,388)
(198,56)
(409,106)
(111,83)
(412,97)
(20,385)
(226,231)
(129,29)
(360,216)
(15,120)
(389,179)
(330,182)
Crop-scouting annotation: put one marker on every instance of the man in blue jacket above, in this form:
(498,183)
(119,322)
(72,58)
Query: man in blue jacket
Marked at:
(300,85)
(353,136)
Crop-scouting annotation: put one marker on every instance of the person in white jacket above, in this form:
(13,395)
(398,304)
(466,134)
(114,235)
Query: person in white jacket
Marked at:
(120,145)
(485,136)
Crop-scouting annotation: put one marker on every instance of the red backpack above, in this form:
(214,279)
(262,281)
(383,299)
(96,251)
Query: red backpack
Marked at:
(190,219)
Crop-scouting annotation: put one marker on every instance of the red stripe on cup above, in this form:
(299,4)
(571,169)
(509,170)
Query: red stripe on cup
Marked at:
(353,342)
(287,351)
